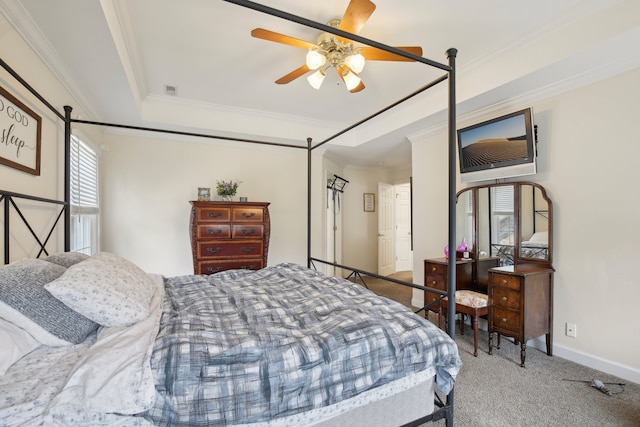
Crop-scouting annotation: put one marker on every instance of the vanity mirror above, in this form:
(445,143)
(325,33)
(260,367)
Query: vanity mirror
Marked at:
(508,231)
(510,221)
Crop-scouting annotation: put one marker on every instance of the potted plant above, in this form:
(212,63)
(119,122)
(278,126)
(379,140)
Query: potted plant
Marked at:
(227,189)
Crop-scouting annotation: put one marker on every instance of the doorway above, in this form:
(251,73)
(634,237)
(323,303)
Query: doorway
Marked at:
(394,228)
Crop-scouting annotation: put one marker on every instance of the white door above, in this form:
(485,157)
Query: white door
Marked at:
(404,258)
(386,237)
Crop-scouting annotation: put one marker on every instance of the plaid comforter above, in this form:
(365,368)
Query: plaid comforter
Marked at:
(242,346)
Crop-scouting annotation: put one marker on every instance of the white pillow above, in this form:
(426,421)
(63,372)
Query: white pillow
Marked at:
(540,237)
(16,343)
(105,288)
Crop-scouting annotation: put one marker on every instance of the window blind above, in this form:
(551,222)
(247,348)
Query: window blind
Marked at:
(84,178)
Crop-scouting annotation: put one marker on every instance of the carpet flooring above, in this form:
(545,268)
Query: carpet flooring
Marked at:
(494,391)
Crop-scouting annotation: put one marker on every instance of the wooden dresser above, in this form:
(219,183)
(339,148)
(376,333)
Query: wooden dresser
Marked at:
(521,304)
(470,274)
(229,235)
(436,275)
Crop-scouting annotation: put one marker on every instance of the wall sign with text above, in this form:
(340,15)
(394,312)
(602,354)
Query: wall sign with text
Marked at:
(20,130)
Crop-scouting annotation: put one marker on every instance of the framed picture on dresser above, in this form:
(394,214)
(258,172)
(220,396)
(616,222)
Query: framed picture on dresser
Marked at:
(204,194)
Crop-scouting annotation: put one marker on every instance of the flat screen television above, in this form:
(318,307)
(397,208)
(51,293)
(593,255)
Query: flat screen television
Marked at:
(502,147)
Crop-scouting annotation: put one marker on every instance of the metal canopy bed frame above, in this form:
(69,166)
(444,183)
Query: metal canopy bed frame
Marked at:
(442,409)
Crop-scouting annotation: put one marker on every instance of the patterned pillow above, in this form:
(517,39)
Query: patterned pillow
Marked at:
(66,259)
(25,302)
(106,288)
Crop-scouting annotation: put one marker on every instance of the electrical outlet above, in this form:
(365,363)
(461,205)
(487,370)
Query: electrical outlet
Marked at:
(571,330)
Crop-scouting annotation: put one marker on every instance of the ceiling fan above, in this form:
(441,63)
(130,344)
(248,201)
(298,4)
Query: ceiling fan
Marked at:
(331,51)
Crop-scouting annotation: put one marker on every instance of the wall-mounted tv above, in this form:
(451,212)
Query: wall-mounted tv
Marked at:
(498,148)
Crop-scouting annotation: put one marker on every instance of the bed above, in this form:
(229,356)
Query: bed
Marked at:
(285,345)
(66,380)
(537,247)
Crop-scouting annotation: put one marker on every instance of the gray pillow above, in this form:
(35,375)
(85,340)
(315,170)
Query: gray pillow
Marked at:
(66,259)
(25,302)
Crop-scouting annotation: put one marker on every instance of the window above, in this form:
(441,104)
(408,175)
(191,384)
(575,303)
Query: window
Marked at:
(502,229)
(84,198)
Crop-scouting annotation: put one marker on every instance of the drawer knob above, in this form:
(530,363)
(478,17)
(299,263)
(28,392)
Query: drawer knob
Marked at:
(248,250)
(505,281)
(434,283)
(214,231)
(504,298)
(214,269)
(433,269)
(248,215)
(247,232)
(214,250)
(214,214)
(504,320)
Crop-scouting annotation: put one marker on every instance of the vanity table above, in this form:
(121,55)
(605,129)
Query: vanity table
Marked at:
(512,223)
(471,274)
(521,304)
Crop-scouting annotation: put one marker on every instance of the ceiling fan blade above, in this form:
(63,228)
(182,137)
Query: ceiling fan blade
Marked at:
(357,14)
(261,33)
(375,54)
(293,75)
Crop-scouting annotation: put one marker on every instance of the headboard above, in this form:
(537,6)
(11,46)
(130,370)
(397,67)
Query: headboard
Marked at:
(56,207)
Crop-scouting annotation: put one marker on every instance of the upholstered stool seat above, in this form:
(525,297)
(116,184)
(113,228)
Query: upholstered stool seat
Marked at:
(467,302)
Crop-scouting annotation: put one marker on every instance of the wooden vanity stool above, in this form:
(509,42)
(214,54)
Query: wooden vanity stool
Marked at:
(467,302)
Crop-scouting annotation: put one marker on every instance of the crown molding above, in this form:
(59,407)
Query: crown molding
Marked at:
(118,18)
(21,21)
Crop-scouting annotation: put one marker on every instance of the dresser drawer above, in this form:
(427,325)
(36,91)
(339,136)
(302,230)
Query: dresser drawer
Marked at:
(247,231)
(247,215)
(211,267)
(214,214)
(506,320)
(505,280)
(430,297)
(435,281)
(214,231)
(505,297)
(230,249)
(435,269)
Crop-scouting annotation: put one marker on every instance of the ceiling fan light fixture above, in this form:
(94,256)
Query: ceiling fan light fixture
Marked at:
(351,80)
(355,62)
(315,59)
(316,79)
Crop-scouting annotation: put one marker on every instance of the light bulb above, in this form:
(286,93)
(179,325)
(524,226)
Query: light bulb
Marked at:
(316,79)
(315,59)
(355,62)
(351,80)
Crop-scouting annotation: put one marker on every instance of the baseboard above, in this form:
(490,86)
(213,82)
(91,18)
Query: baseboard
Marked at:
(594,362)
(627,373)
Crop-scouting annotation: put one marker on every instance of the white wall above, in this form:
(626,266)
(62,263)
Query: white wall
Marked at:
(147,184)
(360,241)
(49,184)
(588,163)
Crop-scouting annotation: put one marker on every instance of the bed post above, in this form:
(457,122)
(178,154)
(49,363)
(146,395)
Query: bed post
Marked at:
(451,286)
(67,178)
(308,202)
